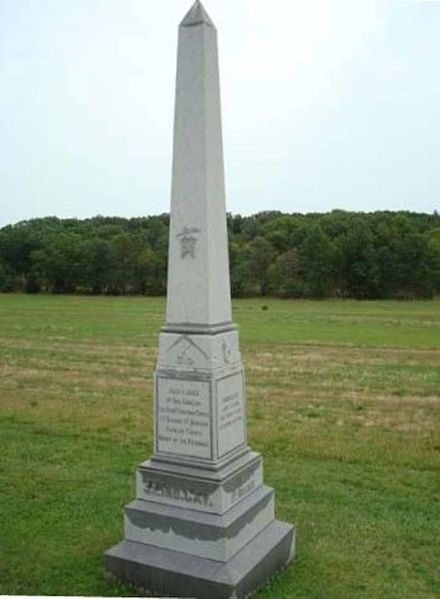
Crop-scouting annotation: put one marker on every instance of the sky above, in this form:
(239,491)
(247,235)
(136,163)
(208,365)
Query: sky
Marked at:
(327,104)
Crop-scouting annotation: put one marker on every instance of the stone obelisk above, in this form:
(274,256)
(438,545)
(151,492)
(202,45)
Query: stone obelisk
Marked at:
(202,524)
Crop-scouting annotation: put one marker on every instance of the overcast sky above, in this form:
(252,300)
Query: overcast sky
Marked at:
(326,104)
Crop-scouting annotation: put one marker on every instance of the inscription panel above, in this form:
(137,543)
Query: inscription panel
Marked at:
(230,413)
(175,492)
(183,417)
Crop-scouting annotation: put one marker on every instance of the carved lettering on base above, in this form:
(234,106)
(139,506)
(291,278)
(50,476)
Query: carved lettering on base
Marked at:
(183,417)
(230,413)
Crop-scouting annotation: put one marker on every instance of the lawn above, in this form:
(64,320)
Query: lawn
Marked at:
(343,402)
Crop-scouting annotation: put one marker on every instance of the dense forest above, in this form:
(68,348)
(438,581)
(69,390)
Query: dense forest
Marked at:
(337,254)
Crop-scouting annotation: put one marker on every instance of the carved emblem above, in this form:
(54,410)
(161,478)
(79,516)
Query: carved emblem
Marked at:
(183,355)
(188,242)
(185,351)
(227,352)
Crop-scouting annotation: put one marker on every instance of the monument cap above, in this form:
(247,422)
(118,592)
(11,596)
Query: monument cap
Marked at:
(197,15)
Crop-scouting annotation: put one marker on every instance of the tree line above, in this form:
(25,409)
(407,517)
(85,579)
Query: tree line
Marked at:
(337,254)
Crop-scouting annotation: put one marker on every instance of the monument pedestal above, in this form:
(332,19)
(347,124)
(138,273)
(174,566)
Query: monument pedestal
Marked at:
(202,524)
(203,533)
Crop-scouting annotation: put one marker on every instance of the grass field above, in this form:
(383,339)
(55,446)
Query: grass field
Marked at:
(343,402)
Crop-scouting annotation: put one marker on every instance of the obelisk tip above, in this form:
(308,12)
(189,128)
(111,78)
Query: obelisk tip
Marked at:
(197,15)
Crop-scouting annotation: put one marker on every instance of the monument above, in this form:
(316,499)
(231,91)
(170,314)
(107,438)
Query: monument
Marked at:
(202,524)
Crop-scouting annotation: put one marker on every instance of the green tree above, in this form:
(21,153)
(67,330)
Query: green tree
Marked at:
(285,275)
(4,278)
(258,256)
(95,271)
(123,264)
(57,266)
(357,266)
(316,259)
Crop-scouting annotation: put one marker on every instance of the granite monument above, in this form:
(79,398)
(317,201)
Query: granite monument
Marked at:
(202,524)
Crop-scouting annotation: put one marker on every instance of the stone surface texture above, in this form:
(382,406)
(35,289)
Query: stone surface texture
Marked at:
(198,266)
(202,523)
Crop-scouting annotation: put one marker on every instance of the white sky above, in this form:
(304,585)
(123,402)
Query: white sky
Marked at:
(326,104)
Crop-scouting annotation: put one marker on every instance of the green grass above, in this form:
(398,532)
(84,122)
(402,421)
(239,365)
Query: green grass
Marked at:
(343,402)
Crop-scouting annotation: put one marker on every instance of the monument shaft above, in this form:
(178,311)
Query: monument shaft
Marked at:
(198,269)
(202,524)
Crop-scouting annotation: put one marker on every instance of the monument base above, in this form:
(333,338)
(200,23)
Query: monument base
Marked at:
(203,533)
(170,573)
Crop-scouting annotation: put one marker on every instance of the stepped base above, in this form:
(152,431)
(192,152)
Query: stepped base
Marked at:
(170,573)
